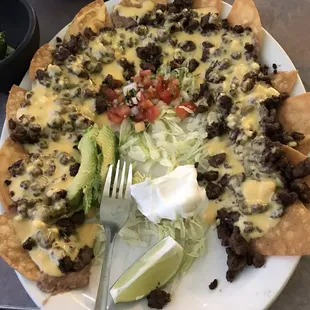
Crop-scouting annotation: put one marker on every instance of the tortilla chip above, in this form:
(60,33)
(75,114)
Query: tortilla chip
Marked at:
(284,81)
(12,252)
(41,59)
(244,13)
(295,157)
(200,4)
(93,15)
(120,21)
(16,98)
(304,145)
(56,285)
(10,152)
(290,237)
(294,114)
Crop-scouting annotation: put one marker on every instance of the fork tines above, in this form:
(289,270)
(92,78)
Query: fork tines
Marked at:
(122,181)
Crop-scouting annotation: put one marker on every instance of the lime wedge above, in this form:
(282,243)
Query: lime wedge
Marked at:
(155,268)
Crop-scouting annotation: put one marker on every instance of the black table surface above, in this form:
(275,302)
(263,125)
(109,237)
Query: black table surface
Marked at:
(288,22)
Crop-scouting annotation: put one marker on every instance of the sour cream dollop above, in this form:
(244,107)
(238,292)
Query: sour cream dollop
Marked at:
(173,196)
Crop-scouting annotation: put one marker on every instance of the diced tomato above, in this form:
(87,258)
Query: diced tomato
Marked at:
(147,82)
(137,79)
(146,104)
(116,114)
(182,113)
(151,93)
(144,73)
(114,118)
(167,90)
(152,113)
(141,116)
(108,93)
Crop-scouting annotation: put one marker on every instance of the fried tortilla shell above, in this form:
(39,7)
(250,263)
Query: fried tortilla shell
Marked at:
(294,114)
(244,13)
(93,15)
(290,237)
(200,4)
(304,145)
(295,157)
(284,81)
(56,285)
(12,252)
(10,152)
(120,21)
(41,59)
(16,98)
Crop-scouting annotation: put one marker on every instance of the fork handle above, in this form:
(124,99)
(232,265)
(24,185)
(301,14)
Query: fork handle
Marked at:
(103,289)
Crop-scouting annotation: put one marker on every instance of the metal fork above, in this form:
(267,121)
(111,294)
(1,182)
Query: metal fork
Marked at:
(114,212)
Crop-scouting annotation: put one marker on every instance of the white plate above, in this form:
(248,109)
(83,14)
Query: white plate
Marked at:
(254,289)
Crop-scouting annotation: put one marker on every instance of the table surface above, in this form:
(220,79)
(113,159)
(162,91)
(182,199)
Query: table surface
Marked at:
(288,22)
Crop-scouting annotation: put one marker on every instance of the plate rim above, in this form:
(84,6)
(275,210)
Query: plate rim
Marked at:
(296,259)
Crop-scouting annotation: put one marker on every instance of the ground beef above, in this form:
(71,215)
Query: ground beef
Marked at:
(213,284)
(217,129)
(239,253)
(158,298)
(66,265)
(286,198)
(217,160)
(128,67)
(84,257)
(193,64)
(188,46)
(68,225)
(211,175)
(302,189)
(17,168)
(213,190)
(76,43)
(111,82)
(151,54)
(61,54)
(298,136)
(101,104)
(74,169)
(29,243)
(25,134)
(89,33)
(209,22)
(225,103)
(302,169)
(178,5)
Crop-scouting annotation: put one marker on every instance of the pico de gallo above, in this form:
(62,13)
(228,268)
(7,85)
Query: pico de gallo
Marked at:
(140,99)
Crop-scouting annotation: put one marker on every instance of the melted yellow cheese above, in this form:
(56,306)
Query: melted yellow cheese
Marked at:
(258,192)
(132,11)
(250,121)
(86,235)
(204,11)
(220,145)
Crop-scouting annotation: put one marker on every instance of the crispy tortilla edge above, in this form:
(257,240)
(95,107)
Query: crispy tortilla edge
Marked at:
(15,99)
(284,81)
(245,13)
(199,4)
(10,152)
(41,59)
(94,15)
(12,252)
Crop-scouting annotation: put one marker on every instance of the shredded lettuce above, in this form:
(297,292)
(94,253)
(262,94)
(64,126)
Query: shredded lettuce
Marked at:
(190,233)
(186,79)
(99,244)
(165,144)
